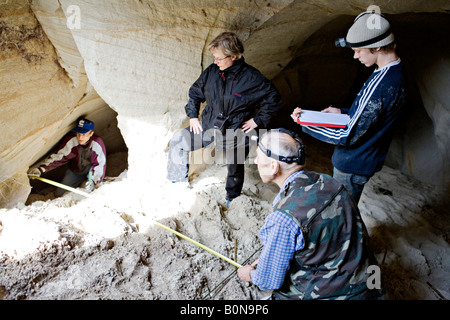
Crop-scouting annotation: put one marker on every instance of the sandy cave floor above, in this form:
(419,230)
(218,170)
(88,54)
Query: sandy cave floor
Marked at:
(106,248)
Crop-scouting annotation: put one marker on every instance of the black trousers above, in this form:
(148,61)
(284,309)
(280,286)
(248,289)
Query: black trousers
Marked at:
(185,141)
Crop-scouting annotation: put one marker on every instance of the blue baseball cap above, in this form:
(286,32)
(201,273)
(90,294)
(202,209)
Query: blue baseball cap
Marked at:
(84,126)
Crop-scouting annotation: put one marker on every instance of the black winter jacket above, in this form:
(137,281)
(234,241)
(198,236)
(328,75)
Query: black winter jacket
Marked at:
(241,92)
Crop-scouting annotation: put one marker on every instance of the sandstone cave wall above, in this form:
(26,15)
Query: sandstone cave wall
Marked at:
(43,90)
(139,58)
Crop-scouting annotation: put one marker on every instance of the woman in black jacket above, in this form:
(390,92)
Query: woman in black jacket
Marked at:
(239,99)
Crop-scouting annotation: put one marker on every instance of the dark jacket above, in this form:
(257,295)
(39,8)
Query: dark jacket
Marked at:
(241,92)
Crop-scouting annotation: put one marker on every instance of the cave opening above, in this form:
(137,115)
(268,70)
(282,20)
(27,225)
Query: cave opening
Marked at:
(106,127)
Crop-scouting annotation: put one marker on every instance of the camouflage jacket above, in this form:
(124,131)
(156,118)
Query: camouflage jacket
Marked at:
(335,258)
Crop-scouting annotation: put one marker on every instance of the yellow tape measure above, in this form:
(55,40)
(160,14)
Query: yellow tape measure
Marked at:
(62,186)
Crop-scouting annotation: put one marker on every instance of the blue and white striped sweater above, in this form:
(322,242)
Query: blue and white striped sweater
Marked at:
(362,146)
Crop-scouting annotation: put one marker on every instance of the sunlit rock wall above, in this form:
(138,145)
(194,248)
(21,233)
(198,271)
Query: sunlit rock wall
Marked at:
(142,57)
(35,95)
(43,90)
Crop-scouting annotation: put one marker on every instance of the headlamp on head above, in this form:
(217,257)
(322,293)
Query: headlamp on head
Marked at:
(369,30)
(340,43)
(299,158)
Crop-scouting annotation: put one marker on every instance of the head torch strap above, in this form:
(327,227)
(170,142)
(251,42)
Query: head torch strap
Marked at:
(291,159)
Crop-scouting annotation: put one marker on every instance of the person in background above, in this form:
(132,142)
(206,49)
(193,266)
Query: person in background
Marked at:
(315,241)
(362,147)
(238,99)
(85,154)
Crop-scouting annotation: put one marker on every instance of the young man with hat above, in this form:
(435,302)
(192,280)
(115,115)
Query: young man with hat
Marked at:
(362,146)
(85,154)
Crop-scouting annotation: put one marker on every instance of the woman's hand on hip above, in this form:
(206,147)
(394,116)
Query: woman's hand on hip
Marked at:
(196,127)
(249,126)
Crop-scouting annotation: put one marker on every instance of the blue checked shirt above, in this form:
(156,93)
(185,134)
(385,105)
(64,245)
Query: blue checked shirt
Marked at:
(282,237)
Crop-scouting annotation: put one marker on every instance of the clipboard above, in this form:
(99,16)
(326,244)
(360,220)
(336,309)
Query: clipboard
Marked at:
(323,119)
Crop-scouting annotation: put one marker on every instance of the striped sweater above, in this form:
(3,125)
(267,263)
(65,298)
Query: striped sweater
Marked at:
(362,146)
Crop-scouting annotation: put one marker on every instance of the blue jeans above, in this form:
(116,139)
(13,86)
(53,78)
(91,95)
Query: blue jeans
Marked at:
(70,179)
(352,182)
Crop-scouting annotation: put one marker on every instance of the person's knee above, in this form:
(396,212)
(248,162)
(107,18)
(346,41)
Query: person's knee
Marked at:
(182,140)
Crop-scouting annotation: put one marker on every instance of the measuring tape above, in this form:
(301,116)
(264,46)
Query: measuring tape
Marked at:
(62,186)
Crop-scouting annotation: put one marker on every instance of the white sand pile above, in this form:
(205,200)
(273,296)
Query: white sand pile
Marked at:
(106,246)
